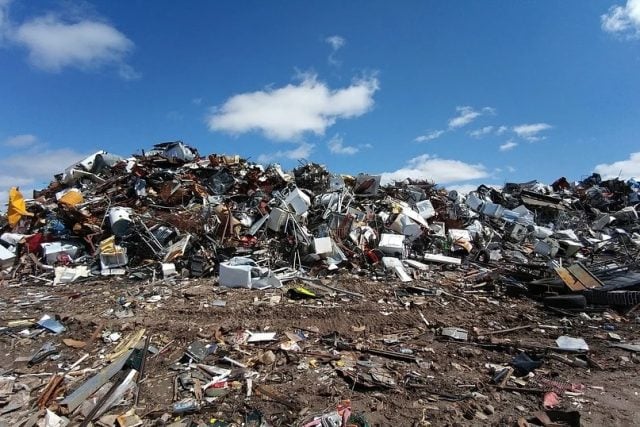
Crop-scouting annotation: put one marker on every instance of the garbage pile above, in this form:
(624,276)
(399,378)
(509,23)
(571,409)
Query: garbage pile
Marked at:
(170,215)
(171,212)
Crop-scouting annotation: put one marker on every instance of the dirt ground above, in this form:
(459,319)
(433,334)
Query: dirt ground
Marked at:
(448,383)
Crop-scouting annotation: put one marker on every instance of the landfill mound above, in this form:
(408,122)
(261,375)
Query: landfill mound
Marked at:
(170,288)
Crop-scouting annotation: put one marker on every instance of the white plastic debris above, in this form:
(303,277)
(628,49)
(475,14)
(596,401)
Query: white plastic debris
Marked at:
(569,343)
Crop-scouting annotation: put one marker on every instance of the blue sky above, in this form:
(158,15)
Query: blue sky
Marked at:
(461,92)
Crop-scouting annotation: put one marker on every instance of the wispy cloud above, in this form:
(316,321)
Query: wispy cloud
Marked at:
(441,171)
(4,19)
(482,132)
(288,112)
(35,164)
(55,42)
(624,169)
(501,130)
(303,151)
(336,146)
(531,132)
(624,20)
(430,136)
(509,145)
(335,42)
(511,169)
(467,115)
(20,141)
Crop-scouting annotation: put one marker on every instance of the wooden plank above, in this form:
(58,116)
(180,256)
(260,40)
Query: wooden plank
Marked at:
(585,277)
(569,280)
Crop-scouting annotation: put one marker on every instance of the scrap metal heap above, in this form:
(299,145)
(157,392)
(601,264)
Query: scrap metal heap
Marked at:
(170,214)
(171,211)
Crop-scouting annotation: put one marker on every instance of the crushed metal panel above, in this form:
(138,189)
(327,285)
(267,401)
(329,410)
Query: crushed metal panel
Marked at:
(425,209)
(438,228)
(405,226)
(442,259)
(367,185)
(492,209)
(322,245)
(277,219)
(392,244)
(6,257)
(237,272)
(299,201)
(395,265)
(178,249)
(82,393)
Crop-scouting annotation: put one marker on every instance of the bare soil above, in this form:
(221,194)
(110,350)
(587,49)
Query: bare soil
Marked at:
(449,384)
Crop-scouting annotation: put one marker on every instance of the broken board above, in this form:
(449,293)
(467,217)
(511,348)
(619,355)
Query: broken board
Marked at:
(578,278)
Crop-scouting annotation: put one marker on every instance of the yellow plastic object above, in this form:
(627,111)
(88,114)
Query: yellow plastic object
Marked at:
(72,197)
(108,245)
(17,207)
(306,292)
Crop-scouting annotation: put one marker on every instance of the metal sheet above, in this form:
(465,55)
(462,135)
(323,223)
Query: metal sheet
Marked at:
(82,393)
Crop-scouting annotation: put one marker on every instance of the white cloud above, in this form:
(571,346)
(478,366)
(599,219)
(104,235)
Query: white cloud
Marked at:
(623,20)
(624,169)
(4,19)
(530,131)
(501,130)
(467,115)
(430,136)
(440,171)
(40,164)
(482,132)
(336,146)
(127,72)
(510,144)
(55,43)
(511,169)
(336,42)
(20,141)
(288,112)
(303,151)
